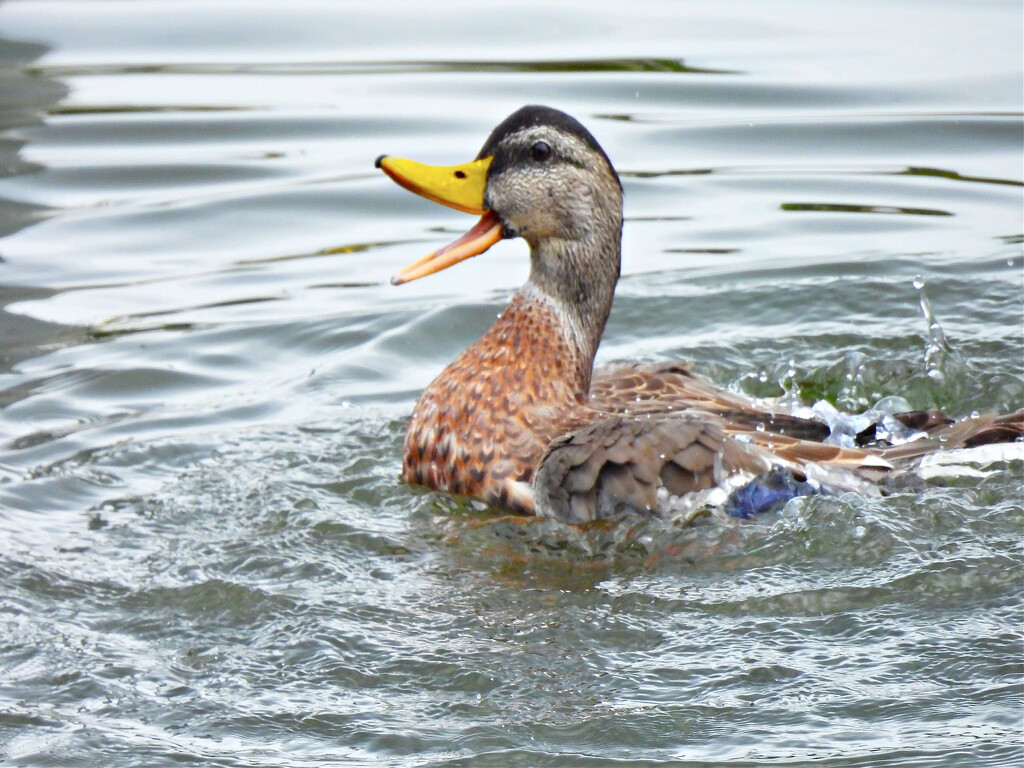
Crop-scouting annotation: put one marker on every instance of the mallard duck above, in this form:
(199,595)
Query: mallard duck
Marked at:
(522,420)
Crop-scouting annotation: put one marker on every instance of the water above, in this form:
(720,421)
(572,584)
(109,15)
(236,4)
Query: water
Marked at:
(206,554)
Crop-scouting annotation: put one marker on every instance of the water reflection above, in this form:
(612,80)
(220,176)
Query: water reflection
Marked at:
(850,208)
(25,98)
(673,66)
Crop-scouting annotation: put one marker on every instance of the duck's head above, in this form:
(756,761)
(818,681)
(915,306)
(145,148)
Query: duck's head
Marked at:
(541,176)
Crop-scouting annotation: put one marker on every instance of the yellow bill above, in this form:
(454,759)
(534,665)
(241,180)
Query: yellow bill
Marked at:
(457,186)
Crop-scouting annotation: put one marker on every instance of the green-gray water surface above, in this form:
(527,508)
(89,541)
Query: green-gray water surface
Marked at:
(206,555)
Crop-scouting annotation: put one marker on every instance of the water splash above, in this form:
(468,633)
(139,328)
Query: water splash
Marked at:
(845,427)
(790,388)
(851,394)
(855,409)
(943,364)
(937,348)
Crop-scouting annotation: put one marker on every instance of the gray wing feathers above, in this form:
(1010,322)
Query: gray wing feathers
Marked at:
(618,464)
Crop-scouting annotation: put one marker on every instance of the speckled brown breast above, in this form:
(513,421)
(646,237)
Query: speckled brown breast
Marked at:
(481,427)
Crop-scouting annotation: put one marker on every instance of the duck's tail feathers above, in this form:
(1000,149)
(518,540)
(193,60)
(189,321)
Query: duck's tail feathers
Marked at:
(971,432)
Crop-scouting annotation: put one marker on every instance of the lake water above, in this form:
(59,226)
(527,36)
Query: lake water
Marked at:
(206,555)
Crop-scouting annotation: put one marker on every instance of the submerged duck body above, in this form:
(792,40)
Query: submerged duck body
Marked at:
(521,420)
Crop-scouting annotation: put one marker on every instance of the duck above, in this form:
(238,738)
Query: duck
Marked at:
(523,421)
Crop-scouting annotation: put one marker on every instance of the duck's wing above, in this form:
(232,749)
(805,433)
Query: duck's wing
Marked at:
(632,388)
(618,464)
(647,388)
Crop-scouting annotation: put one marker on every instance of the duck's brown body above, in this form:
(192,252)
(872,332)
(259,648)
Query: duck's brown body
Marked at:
(521,419)
(484,425)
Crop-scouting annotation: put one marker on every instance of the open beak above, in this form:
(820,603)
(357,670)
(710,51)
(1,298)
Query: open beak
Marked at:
(457,186)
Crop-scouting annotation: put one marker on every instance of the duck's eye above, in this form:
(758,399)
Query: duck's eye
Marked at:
(540,151)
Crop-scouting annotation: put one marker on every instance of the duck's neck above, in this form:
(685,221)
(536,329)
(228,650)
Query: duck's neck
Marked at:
(577,280)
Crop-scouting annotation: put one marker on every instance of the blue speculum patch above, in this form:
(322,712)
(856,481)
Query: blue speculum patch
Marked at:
(767,492)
